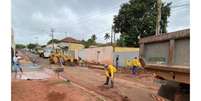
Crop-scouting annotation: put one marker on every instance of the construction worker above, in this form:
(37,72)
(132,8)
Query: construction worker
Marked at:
(136,64)
(17,65)
(109,71)
(117,61)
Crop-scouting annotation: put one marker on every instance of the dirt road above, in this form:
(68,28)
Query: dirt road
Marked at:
(123,90)
(48,90)
(86,85)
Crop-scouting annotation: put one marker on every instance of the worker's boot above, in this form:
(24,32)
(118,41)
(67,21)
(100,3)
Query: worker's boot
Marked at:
(107,81)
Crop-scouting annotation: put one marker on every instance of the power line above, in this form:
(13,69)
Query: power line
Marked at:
(179,8)
(176,6)
(87,21)
(181,1)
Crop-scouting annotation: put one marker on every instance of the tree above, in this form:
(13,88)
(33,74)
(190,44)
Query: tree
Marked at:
(138,17)
(43,46)
(54,41)
(20,46)
(32,46)
(90,41)
(107,36)
(93,39)
(85,43)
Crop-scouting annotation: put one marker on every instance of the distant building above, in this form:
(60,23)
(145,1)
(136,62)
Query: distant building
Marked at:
(70,46)
(71,43)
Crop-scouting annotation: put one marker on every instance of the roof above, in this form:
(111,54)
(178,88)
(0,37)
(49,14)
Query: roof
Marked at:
(70,40)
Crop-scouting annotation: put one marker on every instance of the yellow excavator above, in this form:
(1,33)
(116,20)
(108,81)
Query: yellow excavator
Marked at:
(57,57)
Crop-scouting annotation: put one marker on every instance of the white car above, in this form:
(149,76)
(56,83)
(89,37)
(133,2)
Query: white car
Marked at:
(47,52)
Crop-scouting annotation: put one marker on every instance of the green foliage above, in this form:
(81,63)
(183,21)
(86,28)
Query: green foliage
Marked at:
(138,17)
(90,41)
(43,46)
(93,39)
(20,46)
(32,46)
(54,40)
(85,43)
(107,36)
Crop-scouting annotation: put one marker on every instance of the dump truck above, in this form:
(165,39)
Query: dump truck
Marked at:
(168,57)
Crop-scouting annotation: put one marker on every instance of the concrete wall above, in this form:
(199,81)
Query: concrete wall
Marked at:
(107,56)
(126,49)
(124,56)
(101,55)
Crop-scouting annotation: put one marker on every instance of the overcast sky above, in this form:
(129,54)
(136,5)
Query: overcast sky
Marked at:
(33,19)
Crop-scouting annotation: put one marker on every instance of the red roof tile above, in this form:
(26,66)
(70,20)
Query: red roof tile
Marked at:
(70,40)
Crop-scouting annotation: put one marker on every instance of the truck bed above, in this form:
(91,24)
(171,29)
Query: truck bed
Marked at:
(168,55)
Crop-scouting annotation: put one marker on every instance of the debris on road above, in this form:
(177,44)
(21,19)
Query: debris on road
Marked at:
(75,82)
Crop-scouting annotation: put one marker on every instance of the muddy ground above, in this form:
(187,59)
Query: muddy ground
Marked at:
(85,84)
(48,90)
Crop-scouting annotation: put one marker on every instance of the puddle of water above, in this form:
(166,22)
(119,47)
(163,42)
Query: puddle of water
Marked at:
(33,72)
(34,76)
(31,67)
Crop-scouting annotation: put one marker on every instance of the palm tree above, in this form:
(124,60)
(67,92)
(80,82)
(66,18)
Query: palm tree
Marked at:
(107,36)
(93,38)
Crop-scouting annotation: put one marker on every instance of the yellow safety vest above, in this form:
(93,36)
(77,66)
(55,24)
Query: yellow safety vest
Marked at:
(136,63)
(110,70)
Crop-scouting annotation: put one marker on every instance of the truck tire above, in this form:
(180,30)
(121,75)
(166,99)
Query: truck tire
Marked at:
(168,90)
(174,91)
(183,93)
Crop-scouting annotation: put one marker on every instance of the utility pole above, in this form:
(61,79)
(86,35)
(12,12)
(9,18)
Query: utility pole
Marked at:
(158,17)
(52,33)
(114,42)
(114,34)
(114,38)
(111,37)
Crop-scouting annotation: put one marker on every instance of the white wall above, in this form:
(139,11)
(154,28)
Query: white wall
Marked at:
(91,55)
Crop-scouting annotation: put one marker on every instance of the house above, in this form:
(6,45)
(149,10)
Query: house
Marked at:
(70,46)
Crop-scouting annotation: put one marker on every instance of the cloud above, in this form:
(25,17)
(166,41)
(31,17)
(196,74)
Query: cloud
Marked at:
(180,16)
(76,18)
(79,19)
